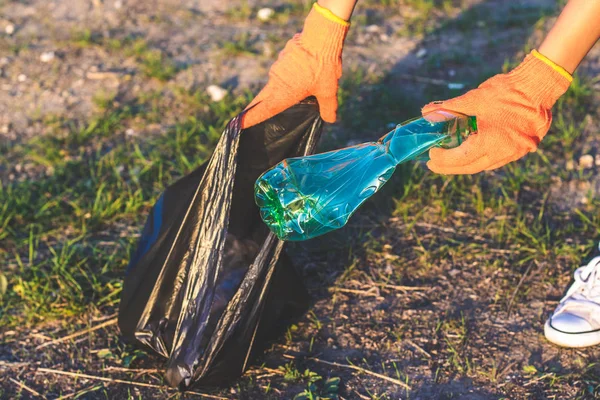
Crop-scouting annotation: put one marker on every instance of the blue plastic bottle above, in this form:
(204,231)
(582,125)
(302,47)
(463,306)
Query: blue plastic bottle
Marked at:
(305,197)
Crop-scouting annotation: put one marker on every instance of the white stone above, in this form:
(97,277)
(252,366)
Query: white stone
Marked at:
(47,56)
(421,53)
(9,29)
(216,93)
(22,77)
(268,50)
(586,161)
(384,37)
(570,165)
(388,270)
(118,4)
(265,14)
(372,29)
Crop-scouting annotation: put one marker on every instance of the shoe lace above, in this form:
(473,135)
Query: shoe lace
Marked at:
(587,283)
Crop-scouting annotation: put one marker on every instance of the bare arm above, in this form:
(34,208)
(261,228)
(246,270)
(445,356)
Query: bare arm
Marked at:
(341,8)
(575,32)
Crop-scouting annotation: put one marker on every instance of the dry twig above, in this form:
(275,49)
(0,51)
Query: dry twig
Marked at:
(76,334)
(359,369)
(7,364)
(414,345)
(112,380)
(132,370)
(510,303)
(23,386)
(373,292)
(402,288)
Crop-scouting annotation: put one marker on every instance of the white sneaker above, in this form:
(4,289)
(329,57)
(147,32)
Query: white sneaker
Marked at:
(576,320)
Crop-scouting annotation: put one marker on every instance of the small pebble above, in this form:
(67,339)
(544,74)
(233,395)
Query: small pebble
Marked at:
(597,160)
(118,4)
(384,37)
(265,14)
(570,165)
(372,28)
(9,29)
(216,93)
(47,56)
(130,132)
(586,161)
(22,77)
(421,53)
(268,50)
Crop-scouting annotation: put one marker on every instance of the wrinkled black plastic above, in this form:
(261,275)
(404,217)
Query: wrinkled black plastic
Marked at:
(208,283)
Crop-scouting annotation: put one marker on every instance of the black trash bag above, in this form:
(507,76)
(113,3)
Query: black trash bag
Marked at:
(209,284)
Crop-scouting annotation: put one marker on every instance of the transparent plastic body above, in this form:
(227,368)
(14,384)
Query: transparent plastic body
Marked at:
(305,197)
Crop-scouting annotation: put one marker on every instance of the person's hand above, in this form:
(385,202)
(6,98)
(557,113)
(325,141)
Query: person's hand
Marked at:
(513,115)
(310,64)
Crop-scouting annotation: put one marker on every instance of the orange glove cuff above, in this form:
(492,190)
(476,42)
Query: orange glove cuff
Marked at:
(324,33)
(538,78)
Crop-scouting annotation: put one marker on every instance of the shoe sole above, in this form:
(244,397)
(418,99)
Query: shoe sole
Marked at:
(566,339)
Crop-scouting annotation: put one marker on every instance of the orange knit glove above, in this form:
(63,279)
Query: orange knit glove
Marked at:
(310,64)
(513,116)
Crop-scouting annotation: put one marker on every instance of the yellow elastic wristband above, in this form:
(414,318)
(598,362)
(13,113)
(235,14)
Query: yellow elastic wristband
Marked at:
(329,15)
(552,64)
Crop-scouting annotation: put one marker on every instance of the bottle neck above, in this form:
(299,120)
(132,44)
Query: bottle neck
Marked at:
(412,140)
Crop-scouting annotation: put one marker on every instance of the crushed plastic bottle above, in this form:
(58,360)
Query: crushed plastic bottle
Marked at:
(305,197)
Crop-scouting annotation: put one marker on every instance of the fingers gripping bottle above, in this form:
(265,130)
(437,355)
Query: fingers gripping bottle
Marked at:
(305,197)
